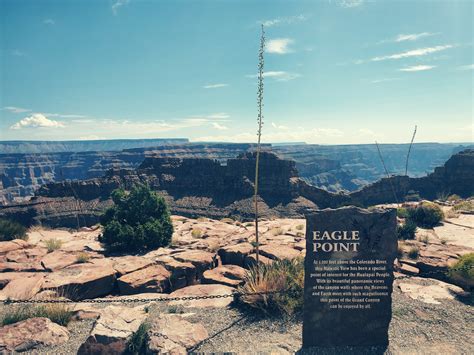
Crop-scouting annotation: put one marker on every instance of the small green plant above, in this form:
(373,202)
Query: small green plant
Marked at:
(10,230)
(196,233)
(53,244)
(402,212)
(277,231)
(300,227)
(463,271)
(82,258)
(467,206)
(137,342)
(406,230)
(426,215)
(59,313)
(281,275)
(138,221)
(413,253)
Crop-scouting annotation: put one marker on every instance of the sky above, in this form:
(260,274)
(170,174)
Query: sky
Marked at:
(336,71)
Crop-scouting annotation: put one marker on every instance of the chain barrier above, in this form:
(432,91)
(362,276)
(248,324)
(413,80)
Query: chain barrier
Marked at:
(236,294)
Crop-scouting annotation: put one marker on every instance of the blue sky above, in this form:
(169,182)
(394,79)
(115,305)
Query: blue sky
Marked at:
(337,71)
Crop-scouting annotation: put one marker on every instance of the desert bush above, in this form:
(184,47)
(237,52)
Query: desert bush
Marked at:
(463,270)
(281,275)
(300,227)
(138,221)
(424,239)
(402,212)
(137,342)
(464,206)
(82,258)
(53,244)
(277,231)
(454,198)
(196,233)
(406,230)
(426,215)
(227,220)
(10,230)
(451,213)
(413,253)
(59,313)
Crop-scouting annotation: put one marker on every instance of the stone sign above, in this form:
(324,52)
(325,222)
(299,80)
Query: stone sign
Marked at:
(348,277)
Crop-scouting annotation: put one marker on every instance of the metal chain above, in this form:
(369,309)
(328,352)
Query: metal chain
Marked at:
(236,294)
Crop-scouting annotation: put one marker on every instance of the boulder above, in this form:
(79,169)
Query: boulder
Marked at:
(154,278)
(30,334)
(430,290)
(279,252)
(230,275)
(180,335)
(33,266)
(127,264)
(112,330)
(201,259)
(182,273)
(251,260)
(81,281)
(26,255)
(204,290)
(235,254)
(11,245)
(57,260)
(22,287)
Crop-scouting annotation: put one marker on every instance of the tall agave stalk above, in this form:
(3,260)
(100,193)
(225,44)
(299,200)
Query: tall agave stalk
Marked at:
(261,63)
(409,151)
(386,172)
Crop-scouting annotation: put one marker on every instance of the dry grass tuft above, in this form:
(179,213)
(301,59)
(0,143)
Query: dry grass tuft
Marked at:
(53,244)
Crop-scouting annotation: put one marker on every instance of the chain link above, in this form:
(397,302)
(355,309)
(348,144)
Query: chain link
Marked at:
(236,294)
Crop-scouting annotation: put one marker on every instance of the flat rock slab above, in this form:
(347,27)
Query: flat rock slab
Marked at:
(57,260)
(279,252)
(154,278)
(11,245)
(26,255)
(30,334)
(128,264)
(204,290)
(235,254)
(201,259)
(181,335)
(112,330)
(182,273)
(229,275)
(22,287)
(459,233)
(81,281)
(430,290)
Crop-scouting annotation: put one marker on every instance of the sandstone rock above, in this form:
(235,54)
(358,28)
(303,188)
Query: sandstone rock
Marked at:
(112,330)
(279,252)
(181,335)
(153,278)
(204,290)
(26,255)
(31,333)
(430,290)
(230,275)
(22,287)
(57,260)
(182,273)
(21,267)
(202,260)
(81,281)
(235,254)
(407,269)
(127,264)
(251,260)
(11,245)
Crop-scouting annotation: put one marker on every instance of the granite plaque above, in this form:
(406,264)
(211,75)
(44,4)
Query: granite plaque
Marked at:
(348,277)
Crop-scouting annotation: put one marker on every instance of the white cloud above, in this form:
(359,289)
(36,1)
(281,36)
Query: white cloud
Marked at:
(62,115)
(350,3)
(219,126)
(377,81)
(218,116)
(413,53)
(366,132)
(91,137)
(413,36)
(279,45)
(37,120)
(118,4)
(277,75)
(274,125)
(49,21)
(466,67)
(418,68)
(215,86)
(14,109)
(288,20)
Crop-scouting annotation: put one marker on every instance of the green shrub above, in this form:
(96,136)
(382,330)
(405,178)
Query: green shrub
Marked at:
(277,231)
(10,230)
(196,233)
(402,212)
(137,342)
(300,227)
(426,215)
(464,206)
(413,253)
(281,275)
(82,258)
(463,271)
(138,221)
(59,313)
(53,244)
(406,230)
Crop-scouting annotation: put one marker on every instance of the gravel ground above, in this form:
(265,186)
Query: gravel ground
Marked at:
(416,328)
